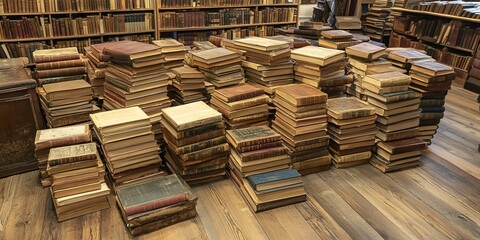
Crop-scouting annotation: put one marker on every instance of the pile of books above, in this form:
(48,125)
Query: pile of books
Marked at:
(269,76)
(128,144)
(397,115)
(309,30)
(136,76)
(398,154)
(258,164)
(362,60)
(301,120)
(378,23)
(196,145)
(97,67)
(188,86)
(242,106)
(221,67)
(321,68)
(405,58)
(57,65)
(46,139)
(173,50)
(67,102)
(351,126)
(337,39)
(432,80)
(78,180)
(150,204)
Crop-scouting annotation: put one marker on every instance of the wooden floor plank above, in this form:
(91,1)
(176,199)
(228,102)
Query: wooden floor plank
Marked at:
(466,166)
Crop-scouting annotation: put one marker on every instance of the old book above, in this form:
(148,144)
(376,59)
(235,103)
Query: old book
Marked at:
(317,55)
(238,93)
(402,146)
(397,135)
(384,90)
(408,56)
(150,194)
(72,153)
(238,105)
(387,79)
(252,136)
(394,105)
(169,45)
(215,56)
(301,94)
(262,44)
(64,90)
(274,194)
(345,108)
(167,221)
(337,34)
(339,44)
(131,50)
(394,96)
(274,180)
(60,64)
(52,55)
(187,72)
(365,51)
(431,68)
(54,137)
(116,120)
(368,65)
(191,115)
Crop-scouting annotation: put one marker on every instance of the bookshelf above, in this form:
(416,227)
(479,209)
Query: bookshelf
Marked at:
(450,39)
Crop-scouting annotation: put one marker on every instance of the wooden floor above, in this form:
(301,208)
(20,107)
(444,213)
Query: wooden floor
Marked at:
(438,200)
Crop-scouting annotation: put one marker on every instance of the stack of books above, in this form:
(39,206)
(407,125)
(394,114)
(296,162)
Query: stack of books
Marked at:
(337,39)
(78,180)
(196,145)
(67,102)
(269,76)
(242,106)
(188,86)
(57,65)
(155,203)
(432,80)
(221,67)
(97,67)
(302,121)
(136,76)
(351,126)
(378,23)
(321,68)
(257,153)
(397,116)
(128,144)
(173,50)
(398,154)
(46,139)
(362,56)
(405,58)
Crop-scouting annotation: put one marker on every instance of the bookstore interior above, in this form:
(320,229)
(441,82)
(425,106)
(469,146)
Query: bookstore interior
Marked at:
(239,119)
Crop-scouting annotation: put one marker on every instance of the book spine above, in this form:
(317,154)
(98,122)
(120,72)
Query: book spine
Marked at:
(54,58)
(356,114)
(64,141)
(201,145)
(266,153)
(140,208)
(60,72)
(194,139)
(59,161)
(42,81)
(59,64)
(259,146)
(242,96)
(164,222)
(219,149)
(160,214)
(199,130)
(259,141)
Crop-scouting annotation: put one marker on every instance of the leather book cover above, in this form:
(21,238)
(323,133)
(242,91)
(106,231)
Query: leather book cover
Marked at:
(238,93)
(401,146)
(337,34)
(130,50)
(346,108)
(301,94)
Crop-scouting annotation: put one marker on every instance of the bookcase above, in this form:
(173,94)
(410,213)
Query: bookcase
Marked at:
(192,20)
(449,39)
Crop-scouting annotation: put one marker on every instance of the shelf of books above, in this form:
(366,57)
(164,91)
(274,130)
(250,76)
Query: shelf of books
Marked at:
(192,20)
(449,39)
(26,26)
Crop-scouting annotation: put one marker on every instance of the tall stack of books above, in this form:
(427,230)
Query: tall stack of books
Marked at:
(136,76)
(67,102)
(337,39)
(155,203)
(378,22)
(57,65)
(188,86)
(196,145)
(242,106)
(173,50)
(97,67)
(351,126)
(432,80)
(221,67)
(321,68)
(258,164)
(46,139)
(301,120)
(128,144)
(397,116)
(78,180)
(405,58)
(364,56)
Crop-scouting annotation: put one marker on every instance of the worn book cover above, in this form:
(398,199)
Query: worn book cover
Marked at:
(337,34)
(263,44)
(387,79)
(252,136)
(317,55)
(191,115)
(432,68)
(345,108)
(72,153)
(47,138)
(131,50)
(238,93)
(365,51)
(301,94)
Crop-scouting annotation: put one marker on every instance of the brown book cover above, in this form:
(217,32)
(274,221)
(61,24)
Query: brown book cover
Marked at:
(402,146)
(60,72)
(238,93)
(337,34)
(58,54)
(346,108)
(301,94)
(387,79)
(191,115)
(431,68)
(72,153)
(56,137)
(365,51)
(131,50)
(60,64)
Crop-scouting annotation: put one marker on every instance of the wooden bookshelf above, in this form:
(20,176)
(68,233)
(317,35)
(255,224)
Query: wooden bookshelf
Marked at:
(222,27)
(436,14)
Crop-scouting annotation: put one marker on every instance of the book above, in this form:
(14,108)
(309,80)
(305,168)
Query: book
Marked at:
(365,51)
(274,180)
(337,34)
(238,93)
(301,94)
(431,68)
(387,79)
(191,115)
(263,44)
(72,153)
(345,108)
(68,135)
(111,119)
(252,136)
(401,146)
(131,50)
(317,55)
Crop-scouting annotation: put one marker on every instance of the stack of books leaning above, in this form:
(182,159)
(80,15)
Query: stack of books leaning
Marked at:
(337,39)
(241,106)
(46,139)
(154,203)
(432,80)
(128,144)
(188,86)
(397,116)
(221,67)
(258,164)
(136,77)
(58,65)
(173,50)
(97,67)
(301,120)
(78,180)
(321,68)
(196,145)
(351,126)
